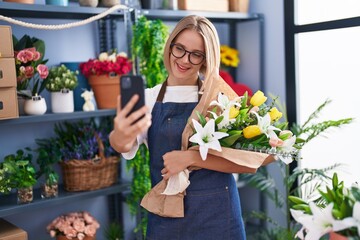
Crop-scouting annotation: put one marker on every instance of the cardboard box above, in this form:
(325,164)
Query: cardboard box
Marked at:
(239,6)
(9,231)
(6,43)
(204,5)
(7,72)
(8,104)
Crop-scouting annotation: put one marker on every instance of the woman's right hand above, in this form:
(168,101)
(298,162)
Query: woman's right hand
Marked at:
(126,128)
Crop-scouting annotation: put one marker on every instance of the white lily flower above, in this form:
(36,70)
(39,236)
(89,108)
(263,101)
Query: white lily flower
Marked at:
(265,126)
(206,137)
(224,103)
(301,218)
(287,147)
(226,121)
(321,222)
(355,220)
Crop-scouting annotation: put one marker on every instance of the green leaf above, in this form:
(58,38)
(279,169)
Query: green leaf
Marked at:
(202,119)
(231,139)
(303,207)
(296,200)
(219,119)
(335,181)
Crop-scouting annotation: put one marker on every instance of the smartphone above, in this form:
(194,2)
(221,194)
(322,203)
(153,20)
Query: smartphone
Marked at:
(129,86)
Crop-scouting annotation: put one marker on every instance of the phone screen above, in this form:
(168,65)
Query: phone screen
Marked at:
(129,86)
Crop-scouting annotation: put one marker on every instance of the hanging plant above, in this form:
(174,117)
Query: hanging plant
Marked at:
(149,37)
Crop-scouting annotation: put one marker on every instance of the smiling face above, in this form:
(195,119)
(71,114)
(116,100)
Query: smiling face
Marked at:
(183,72)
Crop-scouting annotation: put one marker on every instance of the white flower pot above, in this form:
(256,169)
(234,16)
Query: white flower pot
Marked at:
(35,106)
(62,102)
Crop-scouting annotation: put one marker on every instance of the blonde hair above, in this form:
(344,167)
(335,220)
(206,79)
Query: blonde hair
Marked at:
(211,41)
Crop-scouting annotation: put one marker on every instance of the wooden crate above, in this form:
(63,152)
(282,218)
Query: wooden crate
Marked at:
(9,231)
(204,5)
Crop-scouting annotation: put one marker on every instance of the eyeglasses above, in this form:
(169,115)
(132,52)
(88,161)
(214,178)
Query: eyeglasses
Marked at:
(179,51)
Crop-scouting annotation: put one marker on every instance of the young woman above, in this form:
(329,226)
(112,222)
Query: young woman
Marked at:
(212,204)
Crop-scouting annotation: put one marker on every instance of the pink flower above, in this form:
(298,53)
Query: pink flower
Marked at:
(43,70)
(79,225)
(74,224)
(25,55)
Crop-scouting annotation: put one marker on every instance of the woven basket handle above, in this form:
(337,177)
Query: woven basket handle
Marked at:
(101,153)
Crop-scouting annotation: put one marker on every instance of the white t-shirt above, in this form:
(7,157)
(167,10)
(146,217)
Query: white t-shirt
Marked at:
(178,94)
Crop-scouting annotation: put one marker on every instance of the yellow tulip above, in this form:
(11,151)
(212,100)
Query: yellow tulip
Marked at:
(234,112)
(275,114)
(258,98)
(251,131)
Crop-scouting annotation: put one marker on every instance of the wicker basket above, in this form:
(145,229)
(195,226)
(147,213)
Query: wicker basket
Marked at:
(85,175)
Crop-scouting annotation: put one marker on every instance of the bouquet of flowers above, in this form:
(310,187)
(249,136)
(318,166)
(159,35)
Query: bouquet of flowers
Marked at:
(238,125)
(30,65)
(113,63)
(74,225)
(335,210)
(249,135)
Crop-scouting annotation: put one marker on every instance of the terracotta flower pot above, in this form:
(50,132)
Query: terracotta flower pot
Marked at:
(336,236)
(106,89)
(61,237)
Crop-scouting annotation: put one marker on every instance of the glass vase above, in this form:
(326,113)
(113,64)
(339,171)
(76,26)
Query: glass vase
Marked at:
(25,195)
(49,190)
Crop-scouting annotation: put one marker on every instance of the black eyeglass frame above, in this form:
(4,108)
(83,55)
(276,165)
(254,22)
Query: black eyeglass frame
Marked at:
(186,51)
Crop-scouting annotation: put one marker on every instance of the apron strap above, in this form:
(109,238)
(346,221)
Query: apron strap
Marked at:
(161,94)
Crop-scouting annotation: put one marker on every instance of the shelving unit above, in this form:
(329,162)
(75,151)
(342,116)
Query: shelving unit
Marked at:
(244,33)
(55,117)
(8,203)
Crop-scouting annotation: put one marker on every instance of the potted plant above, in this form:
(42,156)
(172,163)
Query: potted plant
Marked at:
(61,82)
(21,174)
(103,75)
(74,225)
(31,72)
(335,211)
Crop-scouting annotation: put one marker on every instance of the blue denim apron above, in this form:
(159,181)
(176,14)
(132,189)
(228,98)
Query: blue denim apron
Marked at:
(211,204)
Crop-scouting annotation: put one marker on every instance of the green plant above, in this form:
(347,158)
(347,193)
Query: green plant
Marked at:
(149,37)
(48,155)
(114,232)
(341,205)
(20,170)
(60,77)
(298,179)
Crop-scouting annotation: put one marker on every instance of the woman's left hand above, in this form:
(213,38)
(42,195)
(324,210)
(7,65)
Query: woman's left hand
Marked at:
(174,162)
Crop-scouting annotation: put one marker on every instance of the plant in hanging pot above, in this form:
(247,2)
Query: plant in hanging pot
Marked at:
(104,74)
(21,174)
(61,82)
(31,73)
